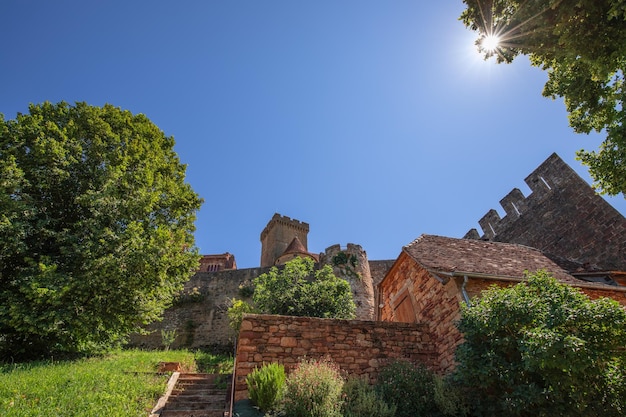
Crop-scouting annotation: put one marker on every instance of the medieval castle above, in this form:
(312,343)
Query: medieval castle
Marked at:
(563,225)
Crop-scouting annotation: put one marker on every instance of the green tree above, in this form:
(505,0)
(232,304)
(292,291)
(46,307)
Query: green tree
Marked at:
(582,45)
(236,310)
(96,227)
(542,348)
(298,289)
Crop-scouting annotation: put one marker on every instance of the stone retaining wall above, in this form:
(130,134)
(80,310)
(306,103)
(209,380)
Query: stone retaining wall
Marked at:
(357,347)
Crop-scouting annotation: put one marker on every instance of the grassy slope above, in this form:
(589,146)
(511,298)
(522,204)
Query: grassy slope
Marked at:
(119,384)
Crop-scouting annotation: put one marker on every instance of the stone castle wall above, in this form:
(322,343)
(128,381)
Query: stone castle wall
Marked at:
(199,316)
(562,217)
(357,347)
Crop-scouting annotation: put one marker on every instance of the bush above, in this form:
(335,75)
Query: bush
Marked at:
(449,397)
(313,389)
(297,289)
(362,400)
(409,387)
(236,311)
(265,385)
(542,348)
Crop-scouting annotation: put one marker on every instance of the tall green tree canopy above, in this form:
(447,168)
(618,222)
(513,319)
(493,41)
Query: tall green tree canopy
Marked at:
(96,227)
(582,45)
(297,289)
(542,348)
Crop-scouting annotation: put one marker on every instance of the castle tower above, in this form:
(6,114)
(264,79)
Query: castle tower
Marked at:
(278,235)
(352,265)
(295,250)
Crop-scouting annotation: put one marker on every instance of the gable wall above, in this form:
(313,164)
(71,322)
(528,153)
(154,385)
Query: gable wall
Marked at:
(434,304)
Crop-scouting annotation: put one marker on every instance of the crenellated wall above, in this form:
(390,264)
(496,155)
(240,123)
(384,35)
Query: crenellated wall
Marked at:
(562,216)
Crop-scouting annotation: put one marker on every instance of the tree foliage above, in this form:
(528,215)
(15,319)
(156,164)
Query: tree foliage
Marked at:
(582,45)
(298,289)
(96,227)
(542,348)
(236,310)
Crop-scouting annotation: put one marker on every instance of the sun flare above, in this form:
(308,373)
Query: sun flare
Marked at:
(490,43)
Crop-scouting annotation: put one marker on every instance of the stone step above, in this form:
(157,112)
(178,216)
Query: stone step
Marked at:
(194,406)
(202,377)
(204,399)
(198,398)
(194,391)
(186,413)
(198,395)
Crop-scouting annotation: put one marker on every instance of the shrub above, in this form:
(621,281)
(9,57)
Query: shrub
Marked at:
(236,311)
(409,387)
(246,289)
(265,385)
(448,397)
(212,363)
(543,348)
(167,338)
(362,400)
(313,389)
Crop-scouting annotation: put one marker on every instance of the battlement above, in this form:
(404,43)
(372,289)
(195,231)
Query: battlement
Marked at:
(562,216)
(553,174)
(278,234)
(277,219)
(350,248)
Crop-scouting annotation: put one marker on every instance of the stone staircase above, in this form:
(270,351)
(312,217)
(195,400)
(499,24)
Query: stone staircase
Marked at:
(195,395)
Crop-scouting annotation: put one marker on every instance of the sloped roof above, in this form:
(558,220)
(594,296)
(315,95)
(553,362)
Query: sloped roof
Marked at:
(295,247)
(494,259)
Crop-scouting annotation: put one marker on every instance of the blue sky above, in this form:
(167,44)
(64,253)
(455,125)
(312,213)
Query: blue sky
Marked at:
(373,121)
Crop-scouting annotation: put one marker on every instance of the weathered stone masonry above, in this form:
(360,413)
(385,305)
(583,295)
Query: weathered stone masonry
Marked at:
(199,317)
(357,347)
(563,216)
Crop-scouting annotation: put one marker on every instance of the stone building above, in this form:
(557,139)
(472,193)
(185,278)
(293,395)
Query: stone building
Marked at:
(199,314)
(562,226)
(434,275)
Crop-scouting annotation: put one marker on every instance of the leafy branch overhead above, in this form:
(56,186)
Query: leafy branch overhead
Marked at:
(582,45)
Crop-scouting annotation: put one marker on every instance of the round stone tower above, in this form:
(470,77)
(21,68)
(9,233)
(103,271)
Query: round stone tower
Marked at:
(352,265)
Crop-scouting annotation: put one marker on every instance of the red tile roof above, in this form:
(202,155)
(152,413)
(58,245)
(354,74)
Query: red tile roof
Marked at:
(494,259)
(295,247)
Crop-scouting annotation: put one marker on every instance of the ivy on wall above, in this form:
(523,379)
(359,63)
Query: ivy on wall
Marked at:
(346,264)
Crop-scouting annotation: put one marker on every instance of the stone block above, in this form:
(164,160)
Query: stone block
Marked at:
(287,341)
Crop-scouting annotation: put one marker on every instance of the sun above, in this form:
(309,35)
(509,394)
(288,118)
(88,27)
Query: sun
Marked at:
(490,43)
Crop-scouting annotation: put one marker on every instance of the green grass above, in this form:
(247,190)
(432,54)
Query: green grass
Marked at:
(118,384)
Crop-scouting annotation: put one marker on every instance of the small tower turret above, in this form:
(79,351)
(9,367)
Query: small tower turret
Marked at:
(352,265)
